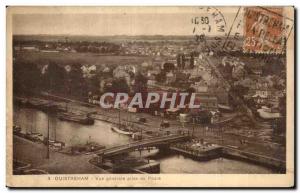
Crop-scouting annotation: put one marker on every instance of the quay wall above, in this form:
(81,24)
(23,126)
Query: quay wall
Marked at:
(215,153)
(231,153)
(266,161)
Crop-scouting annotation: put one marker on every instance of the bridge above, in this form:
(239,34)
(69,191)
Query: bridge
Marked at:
(149,142)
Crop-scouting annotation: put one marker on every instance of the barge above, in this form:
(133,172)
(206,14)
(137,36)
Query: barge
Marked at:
(78,118)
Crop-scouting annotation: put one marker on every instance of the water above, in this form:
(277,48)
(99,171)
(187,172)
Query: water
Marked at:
(181,164)
(68,132)
(73,133)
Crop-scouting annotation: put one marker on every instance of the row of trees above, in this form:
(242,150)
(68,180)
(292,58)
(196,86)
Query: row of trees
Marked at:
(85,46)
(29,78)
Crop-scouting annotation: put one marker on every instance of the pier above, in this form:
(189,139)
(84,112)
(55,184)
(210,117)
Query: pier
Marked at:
(217,151)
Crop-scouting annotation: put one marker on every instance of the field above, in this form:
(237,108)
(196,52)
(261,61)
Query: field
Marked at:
(64,58)
(116,38)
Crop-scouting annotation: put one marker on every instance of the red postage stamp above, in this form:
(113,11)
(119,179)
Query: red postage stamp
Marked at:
(264,30)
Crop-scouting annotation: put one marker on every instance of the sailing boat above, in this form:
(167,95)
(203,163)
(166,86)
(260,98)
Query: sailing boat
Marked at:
(16,128)
(33,134)
(36,135)
(54,143)
(124,129)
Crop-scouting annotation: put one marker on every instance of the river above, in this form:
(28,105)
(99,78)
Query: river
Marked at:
(32,120)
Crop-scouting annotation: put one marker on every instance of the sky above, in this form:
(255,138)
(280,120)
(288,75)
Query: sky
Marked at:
(104,24)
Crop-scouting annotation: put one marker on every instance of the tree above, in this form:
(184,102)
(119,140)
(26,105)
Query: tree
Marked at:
(168,66)
(93,84)
(161,77)
(282,105)
(119,85)
(239,90)
(54,77)
(140,86)
(76,82)
(26,78)
(192,61)
(140,83)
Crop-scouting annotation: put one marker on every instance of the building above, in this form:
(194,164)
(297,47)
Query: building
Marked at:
(88,71)
(121,72)
(151,82)
(263,89)
(200,117)
(180,61)
(207,101)
(200,87)
(170,78)
(172,112)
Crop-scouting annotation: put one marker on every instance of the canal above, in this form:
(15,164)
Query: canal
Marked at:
(32,120)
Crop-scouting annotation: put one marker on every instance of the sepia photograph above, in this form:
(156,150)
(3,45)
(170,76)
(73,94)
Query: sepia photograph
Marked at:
(150,96)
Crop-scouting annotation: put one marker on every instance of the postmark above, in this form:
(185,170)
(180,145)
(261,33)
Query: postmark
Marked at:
(210,28)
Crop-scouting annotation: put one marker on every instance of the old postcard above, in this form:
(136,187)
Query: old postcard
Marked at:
(185,96)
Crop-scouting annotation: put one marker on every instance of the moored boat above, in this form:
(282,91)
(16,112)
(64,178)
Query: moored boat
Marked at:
(78,118)
(125,129)
(122,130)
(16,129)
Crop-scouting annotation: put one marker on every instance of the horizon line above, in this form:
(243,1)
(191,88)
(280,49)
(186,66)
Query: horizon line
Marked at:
(104,35)
(100,35)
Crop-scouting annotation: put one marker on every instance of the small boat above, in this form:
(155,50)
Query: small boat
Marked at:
(31,137)
(57,145)
(78,118)
(122,130)
(268,113)
(37,103)
(37,136)
(34,172)
(16,129)
(49,107)
(54,143)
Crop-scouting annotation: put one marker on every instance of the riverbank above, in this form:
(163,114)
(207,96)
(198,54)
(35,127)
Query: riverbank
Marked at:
(59,163)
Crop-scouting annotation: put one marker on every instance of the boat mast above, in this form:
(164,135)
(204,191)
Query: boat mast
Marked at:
(48,129)
(35,125)
(55,132)
(48,135)
(31,128)
(119,116)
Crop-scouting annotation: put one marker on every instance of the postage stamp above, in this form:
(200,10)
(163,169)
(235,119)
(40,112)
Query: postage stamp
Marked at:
(265,30)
